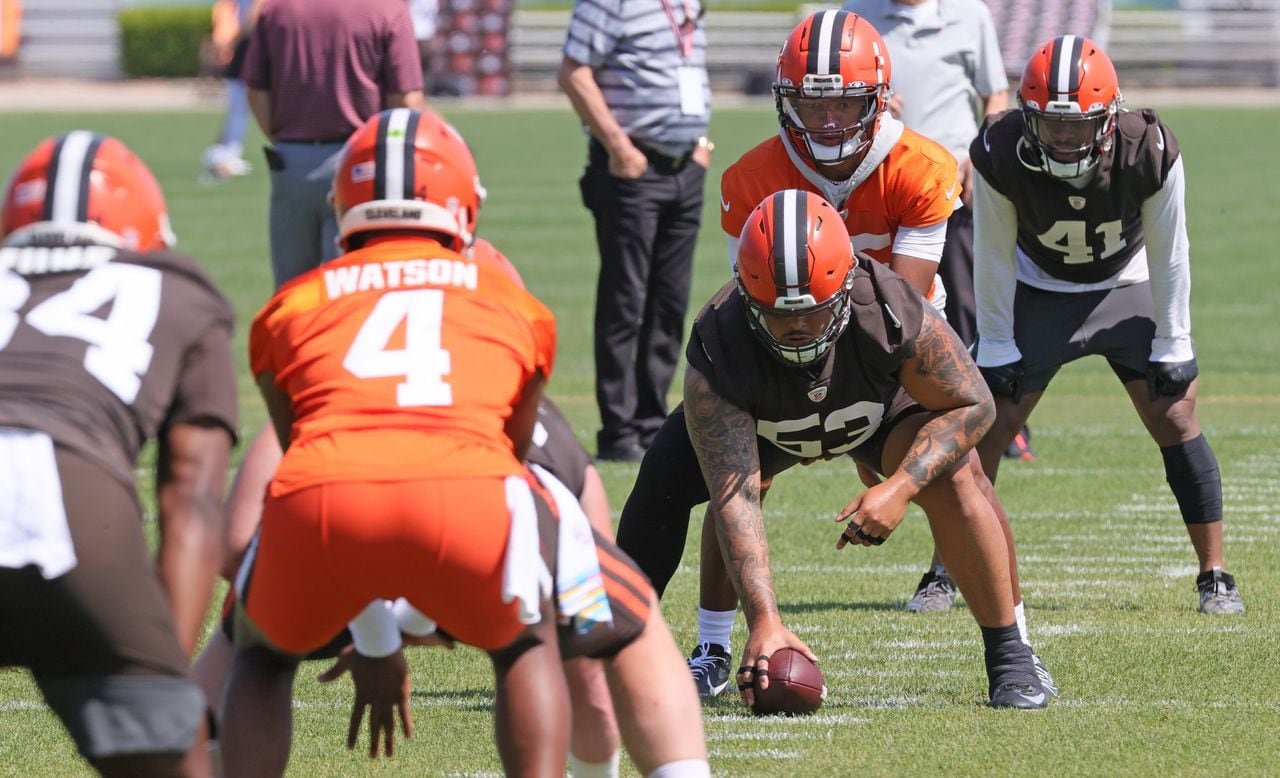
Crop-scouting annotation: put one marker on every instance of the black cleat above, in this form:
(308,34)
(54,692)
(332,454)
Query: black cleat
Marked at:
(1025,696)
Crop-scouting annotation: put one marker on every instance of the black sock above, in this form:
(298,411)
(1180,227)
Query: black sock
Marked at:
(1008,658)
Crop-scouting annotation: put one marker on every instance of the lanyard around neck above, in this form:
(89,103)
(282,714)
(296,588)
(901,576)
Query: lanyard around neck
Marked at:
(682,31)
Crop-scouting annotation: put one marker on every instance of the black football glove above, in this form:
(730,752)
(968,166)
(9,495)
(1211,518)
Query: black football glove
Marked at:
(1005,380)
(1170,379)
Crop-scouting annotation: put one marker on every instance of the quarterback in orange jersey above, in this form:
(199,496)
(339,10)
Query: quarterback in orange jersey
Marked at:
(895,188)
(403,380)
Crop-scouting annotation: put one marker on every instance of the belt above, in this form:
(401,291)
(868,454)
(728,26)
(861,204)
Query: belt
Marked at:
(315,141)
(663,163)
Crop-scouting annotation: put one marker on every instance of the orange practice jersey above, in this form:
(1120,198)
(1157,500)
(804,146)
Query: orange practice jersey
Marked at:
(914,186)
(402,361)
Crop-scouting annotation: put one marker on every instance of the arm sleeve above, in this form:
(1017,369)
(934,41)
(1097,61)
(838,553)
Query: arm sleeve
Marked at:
(403,68)
(592,32)
(995,273)
(1164,223)
(921,242)
(990,76)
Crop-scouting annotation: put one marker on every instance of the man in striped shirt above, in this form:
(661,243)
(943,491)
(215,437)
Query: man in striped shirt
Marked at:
(637,77)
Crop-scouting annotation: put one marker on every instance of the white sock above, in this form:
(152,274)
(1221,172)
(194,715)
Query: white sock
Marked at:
(1020,614)
(715,626)
(683,768)
(607,769)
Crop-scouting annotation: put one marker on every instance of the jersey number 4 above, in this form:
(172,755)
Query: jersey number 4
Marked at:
(1072,239)
(119,351)
(422,361)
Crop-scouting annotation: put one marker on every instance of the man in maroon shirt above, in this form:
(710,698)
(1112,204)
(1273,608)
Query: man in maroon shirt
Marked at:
(316,70)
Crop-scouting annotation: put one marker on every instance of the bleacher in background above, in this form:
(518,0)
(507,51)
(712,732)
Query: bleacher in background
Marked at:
(1197,43)
(70,38)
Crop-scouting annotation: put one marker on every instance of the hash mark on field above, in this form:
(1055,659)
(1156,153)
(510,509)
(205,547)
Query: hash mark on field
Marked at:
(785,721)
(762,753)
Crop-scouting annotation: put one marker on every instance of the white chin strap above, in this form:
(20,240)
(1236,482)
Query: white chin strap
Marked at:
(831,155)
(1068,170)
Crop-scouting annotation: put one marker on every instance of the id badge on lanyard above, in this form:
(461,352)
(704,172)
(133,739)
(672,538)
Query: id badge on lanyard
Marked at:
(690,79)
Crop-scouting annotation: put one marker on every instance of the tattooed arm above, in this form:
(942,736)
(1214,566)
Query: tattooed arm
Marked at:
(939,375)
(724,438)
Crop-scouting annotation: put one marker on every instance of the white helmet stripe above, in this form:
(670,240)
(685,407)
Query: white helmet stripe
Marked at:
(791,270)
(1065,77)
(393,172)
(72,156)
(825,33)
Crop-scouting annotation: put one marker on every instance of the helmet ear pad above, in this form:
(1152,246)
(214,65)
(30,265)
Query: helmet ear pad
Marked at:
(84,188)
(795,260)
(405,170)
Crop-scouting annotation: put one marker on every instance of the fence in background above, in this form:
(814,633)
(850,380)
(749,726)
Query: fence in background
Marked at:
(1234,43)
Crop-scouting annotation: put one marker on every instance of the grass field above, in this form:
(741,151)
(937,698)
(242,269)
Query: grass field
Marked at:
(1149,686)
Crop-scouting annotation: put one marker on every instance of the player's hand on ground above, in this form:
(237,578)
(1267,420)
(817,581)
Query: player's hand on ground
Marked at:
(761,643)
(382,686)
(873,515)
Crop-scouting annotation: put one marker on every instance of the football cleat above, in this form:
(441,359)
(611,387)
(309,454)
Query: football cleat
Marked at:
(1025,696)
(936,592)
(709,665)
(1020,446)
(1042,673)
(1218,592)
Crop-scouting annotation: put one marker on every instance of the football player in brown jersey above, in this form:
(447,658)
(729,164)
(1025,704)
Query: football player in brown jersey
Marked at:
(812,354)
(108,340)
(1081,246)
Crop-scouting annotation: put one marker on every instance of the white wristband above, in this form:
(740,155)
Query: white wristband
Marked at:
(411,620)
(375,631)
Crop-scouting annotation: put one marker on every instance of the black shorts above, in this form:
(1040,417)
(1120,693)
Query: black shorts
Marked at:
(99,640)
(1054,328)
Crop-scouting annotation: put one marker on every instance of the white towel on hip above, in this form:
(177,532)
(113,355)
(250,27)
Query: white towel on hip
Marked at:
(581,599)
(33,521)
(525,577)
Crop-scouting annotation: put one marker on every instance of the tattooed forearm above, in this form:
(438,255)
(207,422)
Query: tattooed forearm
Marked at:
(724,438)
(941,376)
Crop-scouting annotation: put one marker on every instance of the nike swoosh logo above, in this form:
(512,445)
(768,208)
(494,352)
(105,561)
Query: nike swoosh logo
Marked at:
(985,143)
(1036,699)
(1160,140)
(724,204)
(950,192)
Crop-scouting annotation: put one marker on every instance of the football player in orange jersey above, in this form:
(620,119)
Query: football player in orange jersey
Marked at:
(403,380)
(893,188)
(594,737)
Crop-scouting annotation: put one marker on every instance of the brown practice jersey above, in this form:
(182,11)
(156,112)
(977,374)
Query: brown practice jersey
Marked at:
(103,349)
(1079,235)
(833,406)
(557,449)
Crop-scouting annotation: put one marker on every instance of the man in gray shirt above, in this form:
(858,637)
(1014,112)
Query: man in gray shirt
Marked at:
(636,75)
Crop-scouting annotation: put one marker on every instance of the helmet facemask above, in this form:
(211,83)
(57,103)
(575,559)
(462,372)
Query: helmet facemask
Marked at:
(781,323)
(827,121)
(1064,141)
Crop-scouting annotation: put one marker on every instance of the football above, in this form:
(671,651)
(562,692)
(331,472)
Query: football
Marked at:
(796,686)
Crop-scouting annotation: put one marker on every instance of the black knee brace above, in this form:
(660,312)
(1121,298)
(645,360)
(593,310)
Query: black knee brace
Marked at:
(1192,472)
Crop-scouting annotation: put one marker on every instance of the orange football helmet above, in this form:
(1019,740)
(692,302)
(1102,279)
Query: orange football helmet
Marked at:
(83,188)
(794,270)
(1070,99)
(407,170)
(832,85)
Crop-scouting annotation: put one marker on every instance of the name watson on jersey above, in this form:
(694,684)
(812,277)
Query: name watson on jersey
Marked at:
(393,274)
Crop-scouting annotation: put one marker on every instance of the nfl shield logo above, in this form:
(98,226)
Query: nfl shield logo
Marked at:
(818,394)
(1076,202)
